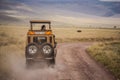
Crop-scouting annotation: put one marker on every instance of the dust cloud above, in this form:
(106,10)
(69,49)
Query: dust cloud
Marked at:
(72,63)
(36,72)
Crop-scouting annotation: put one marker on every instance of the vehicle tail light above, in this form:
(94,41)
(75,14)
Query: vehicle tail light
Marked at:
(31,33)
(48,32)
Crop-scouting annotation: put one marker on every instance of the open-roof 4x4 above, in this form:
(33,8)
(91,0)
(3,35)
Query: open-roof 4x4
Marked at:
(40,44)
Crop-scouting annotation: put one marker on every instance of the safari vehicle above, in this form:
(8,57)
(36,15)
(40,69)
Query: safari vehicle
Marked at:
(41,45)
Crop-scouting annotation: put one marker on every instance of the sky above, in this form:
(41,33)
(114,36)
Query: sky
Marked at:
(61,12)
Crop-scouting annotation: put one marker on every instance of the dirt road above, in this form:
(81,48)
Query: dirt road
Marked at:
(72,63)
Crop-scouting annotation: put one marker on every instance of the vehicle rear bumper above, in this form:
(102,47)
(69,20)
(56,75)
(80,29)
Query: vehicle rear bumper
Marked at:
(40,59)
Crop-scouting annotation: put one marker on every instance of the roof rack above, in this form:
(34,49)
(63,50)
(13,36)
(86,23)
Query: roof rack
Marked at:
(40,21)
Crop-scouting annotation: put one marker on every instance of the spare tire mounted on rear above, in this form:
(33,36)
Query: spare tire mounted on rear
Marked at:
(32,49)
(47,49)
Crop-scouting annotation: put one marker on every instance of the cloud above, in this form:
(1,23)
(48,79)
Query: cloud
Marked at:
(108,14)
(9,11)
(23,6)
(18,16)
(12,11)
(5,19)
(111,0)
(92,7)
(78,21)
(83,11)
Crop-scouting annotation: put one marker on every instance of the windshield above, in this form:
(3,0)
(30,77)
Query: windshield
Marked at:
(40,26)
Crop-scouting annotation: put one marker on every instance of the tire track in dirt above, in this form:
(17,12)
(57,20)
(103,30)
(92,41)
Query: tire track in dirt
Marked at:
(80,65)
(72,63)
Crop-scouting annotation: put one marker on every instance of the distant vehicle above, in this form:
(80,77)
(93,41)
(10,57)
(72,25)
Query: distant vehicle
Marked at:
(41,44)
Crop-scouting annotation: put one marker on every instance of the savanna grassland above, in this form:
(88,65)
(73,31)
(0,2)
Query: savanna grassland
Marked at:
(108,54)
(13,39)
(71,34)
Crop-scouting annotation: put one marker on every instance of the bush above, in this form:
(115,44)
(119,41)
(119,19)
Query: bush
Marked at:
(79,30)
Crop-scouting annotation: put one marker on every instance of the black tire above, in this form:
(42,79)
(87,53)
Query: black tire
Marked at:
(47,50)
(28,54)
(55,52)
(52,63)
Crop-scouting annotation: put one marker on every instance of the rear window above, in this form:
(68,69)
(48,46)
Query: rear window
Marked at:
(40,39)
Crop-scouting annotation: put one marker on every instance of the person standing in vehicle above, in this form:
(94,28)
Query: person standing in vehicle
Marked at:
(43,28)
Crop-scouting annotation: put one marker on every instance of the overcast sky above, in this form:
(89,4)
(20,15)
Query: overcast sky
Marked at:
(61,12)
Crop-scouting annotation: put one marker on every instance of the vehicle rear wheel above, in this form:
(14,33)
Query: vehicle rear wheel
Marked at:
(47,50)
(32,49)
(51,63)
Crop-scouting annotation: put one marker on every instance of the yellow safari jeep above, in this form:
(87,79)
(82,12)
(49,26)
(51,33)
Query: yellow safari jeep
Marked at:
(41,45)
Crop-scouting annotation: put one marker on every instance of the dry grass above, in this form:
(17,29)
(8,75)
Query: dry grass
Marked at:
(13,39)
(107,54)
(12,43)
(65,34)
(71,34)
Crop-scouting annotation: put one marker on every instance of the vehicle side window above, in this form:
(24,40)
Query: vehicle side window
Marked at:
(54,39)
(50,39)
(28,39)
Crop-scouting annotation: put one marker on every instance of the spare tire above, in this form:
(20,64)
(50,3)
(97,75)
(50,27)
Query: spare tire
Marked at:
(47,50)
(32,49)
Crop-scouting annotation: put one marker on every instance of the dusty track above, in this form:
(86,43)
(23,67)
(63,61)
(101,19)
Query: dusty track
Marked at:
(72,63)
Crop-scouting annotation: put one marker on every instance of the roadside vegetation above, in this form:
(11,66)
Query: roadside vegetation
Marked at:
(10,45)
(13,39)
(108,54)
(5,41)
